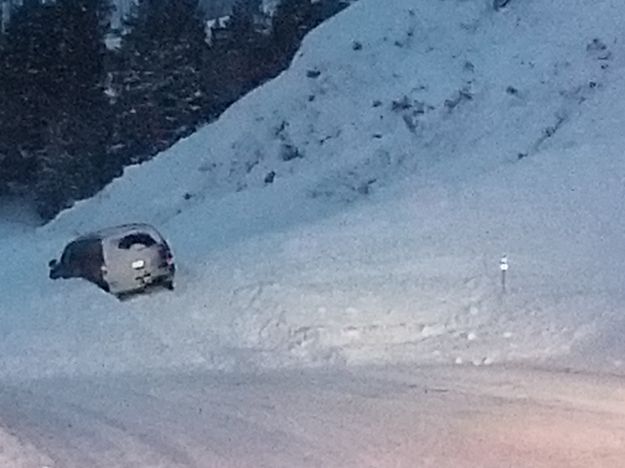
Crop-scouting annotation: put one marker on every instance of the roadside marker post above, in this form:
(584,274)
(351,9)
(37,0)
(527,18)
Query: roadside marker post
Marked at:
(503,266)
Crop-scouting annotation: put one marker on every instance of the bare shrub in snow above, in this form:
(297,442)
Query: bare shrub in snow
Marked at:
(411,111)
(512,91)
(270,177)
(289,151)
(463,95)
(404,103)
(499,4)
(359,180)
(598,50)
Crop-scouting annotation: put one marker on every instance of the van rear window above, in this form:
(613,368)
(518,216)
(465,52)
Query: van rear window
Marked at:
(140,238)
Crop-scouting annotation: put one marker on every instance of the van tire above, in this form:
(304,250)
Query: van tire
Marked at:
(123,296)
(101,284)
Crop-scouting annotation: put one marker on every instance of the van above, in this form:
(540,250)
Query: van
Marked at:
(120,260)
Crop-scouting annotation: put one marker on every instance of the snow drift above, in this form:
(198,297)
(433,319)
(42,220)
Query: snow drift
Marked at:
(354,210)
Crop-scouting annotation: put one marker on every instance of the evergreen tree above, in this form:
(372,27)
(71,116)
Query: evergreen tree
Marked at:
(160,97)
(5,173)
(75,163)
(239,61)
(25,59)
(291,21)
(52,71)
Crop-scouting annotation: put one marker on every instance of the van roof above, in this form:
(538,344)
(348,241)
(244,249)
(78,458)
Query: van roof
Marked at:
(124,229)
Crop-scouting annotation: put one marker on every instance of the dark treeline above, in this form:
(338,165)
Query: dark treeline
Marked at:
(74,112)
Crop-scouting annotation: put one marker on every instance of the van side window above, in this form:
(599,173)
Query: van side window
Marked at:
(68,253)
(140,238)
(81,252)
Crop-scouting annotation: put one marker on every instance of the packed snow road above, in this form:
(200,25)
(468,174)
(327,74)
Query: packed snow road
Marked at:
(461,416)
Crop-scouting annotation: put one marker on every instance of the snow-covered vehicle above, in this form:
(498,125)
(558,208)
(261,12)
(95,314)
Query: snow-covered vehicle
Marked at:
(121,259)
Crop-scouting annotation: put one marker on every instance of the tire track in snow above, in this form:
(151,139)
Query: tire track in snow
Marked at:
(433,416)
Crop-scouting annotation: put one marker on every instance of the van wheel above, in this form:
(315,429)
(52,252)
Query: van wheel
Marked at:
(124,296)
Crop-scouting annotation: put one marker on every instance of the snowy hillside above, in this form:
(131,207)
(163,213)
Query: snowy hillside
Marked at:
(413,145)
(338,236)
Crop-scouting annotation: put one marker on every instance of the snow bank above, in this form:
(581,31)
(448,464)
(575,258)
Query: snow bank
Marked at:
(413,144)
(15,453)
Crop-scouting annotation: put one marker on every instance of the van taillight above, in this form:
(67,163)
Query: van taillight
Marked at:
(167,257)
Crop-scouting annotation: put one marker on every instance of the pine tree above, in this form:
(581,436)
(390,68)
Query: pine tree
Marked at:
(240,60)
(52,71)
(158,80)
(7,174)
(75,163)
(25,92)
(291,21)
